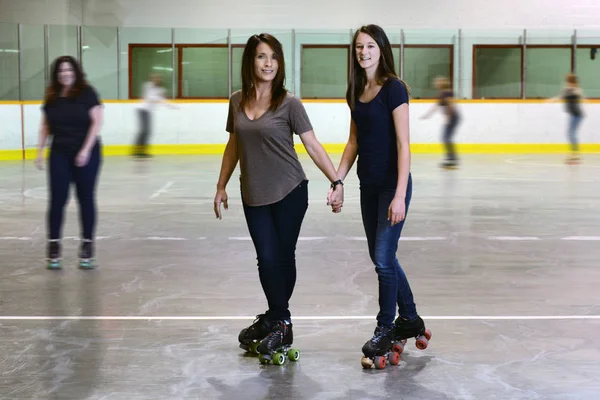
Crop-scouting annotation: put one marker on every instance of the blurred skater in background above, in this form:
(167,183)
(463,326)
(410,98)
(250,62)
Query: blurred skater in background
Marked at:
(572,95)
(448,105)
(152,93)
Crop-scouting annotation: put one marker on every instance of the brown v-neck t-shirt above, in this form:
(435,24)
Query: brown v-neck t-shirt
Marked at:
(269,165)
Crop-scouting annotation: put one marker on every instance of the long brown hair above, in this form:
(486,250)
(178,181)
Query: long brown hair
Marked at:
(54,89)
(278,90)
(385,69)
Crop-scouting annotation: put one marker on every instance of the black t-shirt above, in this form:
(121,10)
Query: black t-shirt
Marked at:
(377,164)
(69,120)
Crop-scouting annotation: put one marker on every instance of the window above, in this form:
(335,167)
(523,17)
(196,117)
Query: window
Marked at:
(324,71)
(9,62)
(588,70)
(203,71)
(237,51)
(422,64)
(546,67)
(497,71)
(148,59)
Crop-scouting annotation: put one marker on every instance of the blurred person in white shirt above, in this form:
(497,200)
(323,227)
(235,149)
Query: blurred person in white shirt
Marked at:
(152,93)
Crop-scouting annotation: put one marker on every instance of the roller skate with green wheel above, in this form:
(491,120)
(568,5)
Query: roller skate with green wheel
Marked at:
(277,346)
(54,260)
(378,351)
(86,255)
(406,329)
(251,336)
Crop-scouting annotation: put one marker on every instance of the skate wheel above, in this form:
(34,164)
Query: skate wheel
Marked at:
(254,347)
(421,343)
(398,347)
(293,354)
(264,359)
(394,358)
(428,334)
(366,362)
(278,359)
(380,362)
(86,264)
(54,265)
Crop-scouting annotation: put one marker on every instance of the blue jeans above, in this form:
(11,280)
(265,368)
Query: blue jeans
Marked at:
(382,239)
(574,122)
(274,230)
(62,171)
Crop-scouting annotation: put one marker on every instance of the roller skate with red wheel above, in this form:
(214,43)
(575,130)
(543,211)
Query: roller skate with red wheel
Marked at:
(573,159)
(377,352)
(406,329)
(277,346)
(251,336)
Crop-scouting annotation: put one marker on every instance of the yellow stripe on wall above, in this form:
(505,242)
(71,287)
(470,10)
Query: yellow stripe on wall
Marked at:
(333,148)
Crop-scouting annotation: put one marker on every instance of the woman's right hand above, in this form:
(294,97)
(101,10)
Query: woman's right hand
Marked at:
(220,197)
(39,161)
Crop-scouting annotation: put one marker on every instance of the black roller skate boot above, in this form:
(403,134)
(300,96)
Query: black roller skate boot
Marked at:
(251,336)
(86,255)
(378,350)
(406,329)
(54,260)
(276,347)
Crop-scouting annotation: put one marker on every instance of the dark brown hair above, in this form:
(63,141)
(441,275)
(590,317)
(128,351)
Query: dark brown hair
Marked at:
(55,88)
(278,90)
(385,69)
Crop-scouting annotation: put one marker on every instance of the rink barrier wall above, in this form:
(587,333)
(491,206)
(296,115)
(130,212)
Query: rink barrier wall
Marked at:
(198,127)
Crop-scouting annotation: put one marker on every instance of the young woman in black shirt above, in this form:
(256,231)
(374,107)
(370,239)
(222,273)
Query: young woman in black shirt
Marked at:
(72,115)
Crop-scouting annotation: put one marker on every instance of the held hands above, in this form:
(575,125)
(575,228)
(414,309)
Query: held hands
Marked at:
(396,211)
(220,197)
(335,198)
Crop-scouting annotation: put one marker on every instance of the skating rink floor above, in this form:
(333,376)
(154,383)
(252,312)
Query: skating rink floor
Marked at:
(502,254)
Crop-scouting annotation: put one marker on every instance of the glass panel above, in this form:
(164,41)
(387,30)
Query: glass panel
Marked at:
(100,60)
(236,67)
(9,61)
(324,72)
(587,61)
(62,41)
(148,60)
(336,76)
(422,65)
(33,78)
(161,63)
(497,72)
(546,69)
(466,64)
(429,53)
(205,72)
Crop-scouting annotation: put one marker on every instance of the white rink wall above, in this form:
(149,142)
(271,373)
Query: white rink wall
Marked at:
(204,123)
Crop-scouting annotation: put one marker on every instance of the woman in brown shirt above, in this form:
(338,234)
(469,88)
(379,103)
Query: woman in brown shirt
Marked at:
(262,119)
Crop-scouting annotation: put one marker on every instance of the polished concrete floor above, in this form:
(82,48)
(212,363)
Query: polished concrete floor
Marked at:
(502,254)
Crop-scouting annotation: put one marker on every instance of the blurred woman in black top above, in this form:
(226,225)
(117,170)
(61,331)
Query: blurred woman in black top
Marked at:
(72,115)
